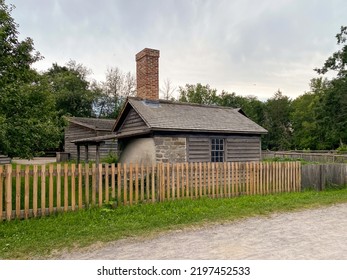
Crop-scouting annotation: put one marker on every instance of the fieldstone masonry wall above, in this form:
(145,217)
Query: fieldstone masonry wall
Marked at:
(170,149)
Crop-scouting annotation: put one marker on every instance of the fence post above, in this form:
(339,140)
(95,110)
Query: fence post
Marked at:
(8,190)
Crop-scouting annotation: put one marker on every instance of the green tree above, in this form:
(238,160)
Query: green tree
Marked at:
(277,113)
(332,109)
(198,94)
(304,117)
(27,115)
(72,92)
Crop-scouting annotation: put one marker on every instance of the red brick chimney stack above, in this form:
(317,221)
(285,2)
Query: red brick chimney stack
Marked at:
(147,74)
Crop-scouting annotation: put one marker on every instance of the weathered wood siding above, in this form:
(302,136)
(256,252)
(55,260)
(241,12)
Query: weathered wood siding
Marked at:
(243,148)
(4,159)
(132,122)
(236,148)
(198,149)
(74,131)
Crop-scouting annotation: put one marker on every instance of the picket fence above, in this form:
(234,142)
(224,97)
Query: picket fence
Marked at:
(33,191)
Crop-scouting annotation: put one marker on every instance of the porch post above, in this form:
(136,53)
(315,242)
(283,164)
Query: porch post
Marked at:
(78,153)
(86,150)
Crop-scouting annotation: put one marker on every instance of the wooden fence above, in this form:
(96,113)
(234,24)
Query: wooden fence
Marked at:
(33,191)
(325,157)
(320,176)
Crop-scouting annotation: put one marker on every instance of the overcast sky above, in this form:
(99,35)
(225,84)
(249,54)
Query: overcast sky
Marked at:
(251,47)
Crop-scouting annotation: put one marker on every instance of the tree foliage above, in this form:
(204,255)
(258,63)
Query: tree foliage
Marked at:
(113,92)
(27,113)
(71,90)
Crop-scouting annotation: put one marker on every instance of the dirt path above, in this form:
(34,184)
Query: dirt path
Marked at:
(310,234)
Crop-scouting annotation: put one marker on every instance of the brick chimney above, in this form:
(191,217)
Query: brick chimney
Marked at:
(147,74)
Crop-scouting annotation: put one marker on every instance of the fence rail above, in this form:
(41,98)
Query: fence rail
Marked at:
(323,157)
(33,191)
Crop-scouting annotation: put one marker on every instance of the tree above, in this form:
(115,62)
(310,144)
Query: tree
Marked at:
(113,92)
(72,92)
(332,112)
(198,94)
(338,61)
(277,122)
(167,90)
(27,115)
(306,133)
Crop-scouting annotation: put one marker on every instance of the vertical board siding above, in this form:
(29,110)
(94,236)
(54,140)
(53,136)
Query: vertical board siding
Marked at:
(42,190)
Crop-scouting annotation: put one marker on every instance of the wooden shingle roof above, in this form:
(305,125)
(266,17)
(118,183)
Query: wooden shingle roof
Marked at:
(162,115)
(93,123)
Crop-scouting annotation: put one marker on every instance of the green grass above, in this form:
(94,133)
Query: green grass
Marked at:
(38,238)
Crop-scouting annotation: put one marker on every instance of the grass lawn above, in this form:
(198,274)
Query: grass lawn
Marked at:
(38,238)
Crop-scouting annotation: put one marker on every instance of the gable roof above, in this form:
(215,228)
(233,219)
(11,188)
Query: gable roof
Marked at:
(93,123)
(162,115)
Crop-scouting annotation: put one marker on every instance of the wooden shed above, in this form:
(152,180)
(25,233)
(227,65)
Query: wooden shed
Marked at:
(150,131)
(85,128)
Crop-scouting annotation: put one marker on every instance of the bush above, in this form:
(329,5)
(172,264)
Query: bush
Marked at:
(111,158)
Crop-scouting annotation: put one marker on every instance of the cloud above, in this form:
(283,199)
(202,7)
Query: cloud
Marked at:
(251,47)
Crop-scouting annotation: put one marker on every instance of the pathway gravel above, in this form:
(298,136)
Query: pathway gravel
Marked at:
(309,234)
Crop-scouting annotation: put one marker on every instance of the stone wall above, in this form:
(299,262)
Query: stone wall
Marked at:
(170,149)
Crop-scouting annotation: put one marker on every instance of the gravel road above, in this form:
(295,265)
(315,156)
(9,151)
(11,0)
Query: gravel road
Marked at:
(310,234)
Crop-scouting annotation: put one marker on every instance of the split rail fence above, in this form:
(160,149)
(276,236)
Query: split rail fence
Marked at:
(33,191)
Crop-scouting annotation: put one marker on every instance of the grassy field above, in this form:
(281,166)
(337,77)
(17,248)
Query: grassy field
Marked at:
(38,238)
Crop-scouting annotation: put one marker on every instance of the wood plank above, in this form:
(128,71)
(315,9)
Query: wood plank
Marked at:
(51,189)
(168,181)
(236,176)
(200,179)
(100,191)
(80,191)
(18,190)
(58,187)
(73,187)
(209,178)
(35,192)
(229,179)
(225,178)
(196,180)
(8,192)
(131,184)
(261,178)
(178,180)
(142,196)
(148,183)
(173,182)
(213,180)
(1,191)
(125,184)
(233,179)
(86,183)
(187,179)
(26,192)
(113,181)
(94,186)
(153,183)
(43,190)
(119,183)
(205,178)
(107,183)
(136,183)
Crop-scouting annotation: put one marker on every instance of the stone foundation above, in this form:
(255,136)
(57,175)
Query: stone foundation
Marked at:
(170,149)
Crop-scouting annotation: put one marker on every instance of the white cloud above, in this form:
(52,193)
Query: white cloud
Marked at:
(250,47)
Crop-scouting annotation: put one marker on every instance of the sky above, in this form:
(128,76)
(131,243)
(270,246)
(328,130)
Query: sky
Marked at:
(250,47)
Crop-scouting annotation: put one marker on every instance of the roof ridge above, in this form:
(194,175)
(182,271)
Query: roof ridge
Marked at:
(184,103)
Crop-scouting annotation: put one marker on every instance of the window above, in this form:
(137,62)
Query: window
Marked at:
(217,150)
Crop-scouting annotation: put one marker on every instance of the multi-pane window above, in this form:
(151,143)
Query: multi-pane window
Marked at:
(217,150)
